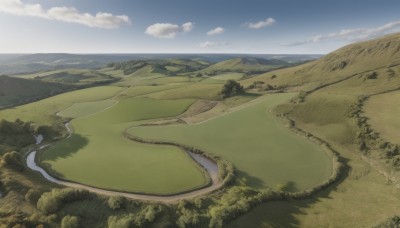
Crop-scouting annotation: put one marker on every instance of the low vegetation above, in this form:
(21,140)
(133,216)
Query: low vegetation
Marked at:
(338,145)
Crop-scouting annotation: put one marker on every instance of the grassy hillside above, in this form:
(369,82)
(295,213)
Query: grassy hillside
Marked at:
(15,91)
(246,64)
(167,67)
(261,148)
(43,111)
(356,59)
(333,86)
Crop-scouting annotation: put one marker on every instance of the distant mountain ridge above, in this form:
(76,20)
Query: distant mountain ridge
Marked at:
(27,63)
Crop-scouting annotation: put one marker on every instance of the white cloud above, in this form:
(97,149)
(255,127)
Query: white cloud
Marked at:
(187,27)
(216,31)
(65,14)
(261,24)
(167,30)
(208,44)
(356,34)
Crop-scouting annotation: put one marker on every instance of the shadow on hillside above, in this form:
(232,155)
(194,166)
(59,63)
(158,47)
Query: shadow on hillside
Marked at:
(250,180)
(67,147)
(246,94)
(283,213)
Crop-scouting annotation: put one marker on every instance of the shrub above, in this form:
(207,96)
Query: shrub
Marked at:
(14,160)
(70,222)
(50,202)
(124,221)
(396,161)
(116,202)
(392,222)
(32,196)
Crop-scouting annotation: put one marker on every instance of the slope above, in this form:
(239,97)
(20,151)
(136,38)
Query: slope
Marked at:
(15,91)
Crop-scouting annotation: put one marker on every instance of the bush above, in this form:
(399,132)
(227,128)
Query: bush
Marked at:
(16,134)
(70,222)
(32,196)
(50,132)
(124,221)
(392,222)
(116,202)
(50,202)
(14,160)
(396,162)
(231,87)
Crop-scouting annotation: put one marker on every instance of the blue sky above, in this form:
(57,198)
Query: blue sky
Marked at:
(192,26)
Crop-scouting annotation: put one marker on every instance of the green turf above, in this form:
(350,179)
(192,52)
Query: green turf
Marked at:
(383,113)
(227,76)
(262,149)
(195,91)
(43,111)
(143,90)
(86,108)
(97,154)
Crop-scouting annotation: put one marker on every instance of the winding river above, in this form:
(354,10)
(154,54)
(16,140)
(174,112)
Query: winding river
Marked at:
(209,165)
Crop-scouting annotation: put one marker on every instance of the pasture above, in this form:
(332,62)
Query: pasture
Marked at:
(43,111)
(262,149)
(98,155)
(383,115)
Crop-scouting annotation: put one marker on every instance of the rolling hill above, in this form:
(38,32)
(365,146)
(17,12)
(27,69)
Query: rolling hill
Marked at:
(14,91)
(381,55)
(246,64)
(167,67)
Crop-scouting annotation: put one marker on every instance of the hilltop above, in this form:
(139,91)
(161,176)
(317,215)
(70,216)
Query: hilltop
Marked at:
(382,54)
(246,64)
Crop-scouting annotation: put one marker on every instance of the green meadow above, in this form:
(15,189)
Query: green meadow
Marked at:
(262,149)
(98,155)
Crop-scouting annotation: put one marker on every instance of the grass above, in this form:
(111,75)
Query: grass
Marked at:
(42,112)
(193,91)
(143,90)
(15,91)
(86,108)
(383,113)
(324,115)
(118,163)
(227,76)
(262,149)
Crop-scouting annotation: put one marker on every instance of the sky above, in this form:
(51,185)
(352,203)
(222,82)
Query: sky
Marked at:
(192,26)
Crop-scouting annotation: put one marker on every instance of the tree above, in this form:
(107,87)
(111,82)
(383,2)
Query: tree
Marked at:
(70,222)
(231,87)
(116,202)
(14,159)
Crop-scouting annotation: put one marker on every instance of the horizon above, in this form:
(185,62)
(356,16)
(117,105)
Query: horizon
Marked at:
(178,26)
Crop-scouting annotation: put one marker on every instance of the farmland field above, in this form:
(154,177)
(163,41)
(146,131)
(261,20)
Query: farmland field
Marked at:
(383,115)
(261,148)
(121,164)
(42,112)
(86,108)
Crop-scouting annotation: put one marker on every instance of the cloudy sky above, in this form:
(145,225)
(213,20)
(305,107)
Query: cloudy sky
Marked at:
(192,26)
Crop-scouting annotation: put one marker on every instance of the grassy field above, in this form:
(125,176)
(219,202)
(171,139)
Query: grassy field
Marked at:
(121,164)
(227,76)
(383,113)
(143,90)
(193,91)
(86,108)
(324,115)
(262,149)
(43,111)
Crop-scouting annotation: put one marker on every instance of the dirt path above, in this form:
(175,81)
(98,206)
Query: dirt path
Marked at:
(210,166)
